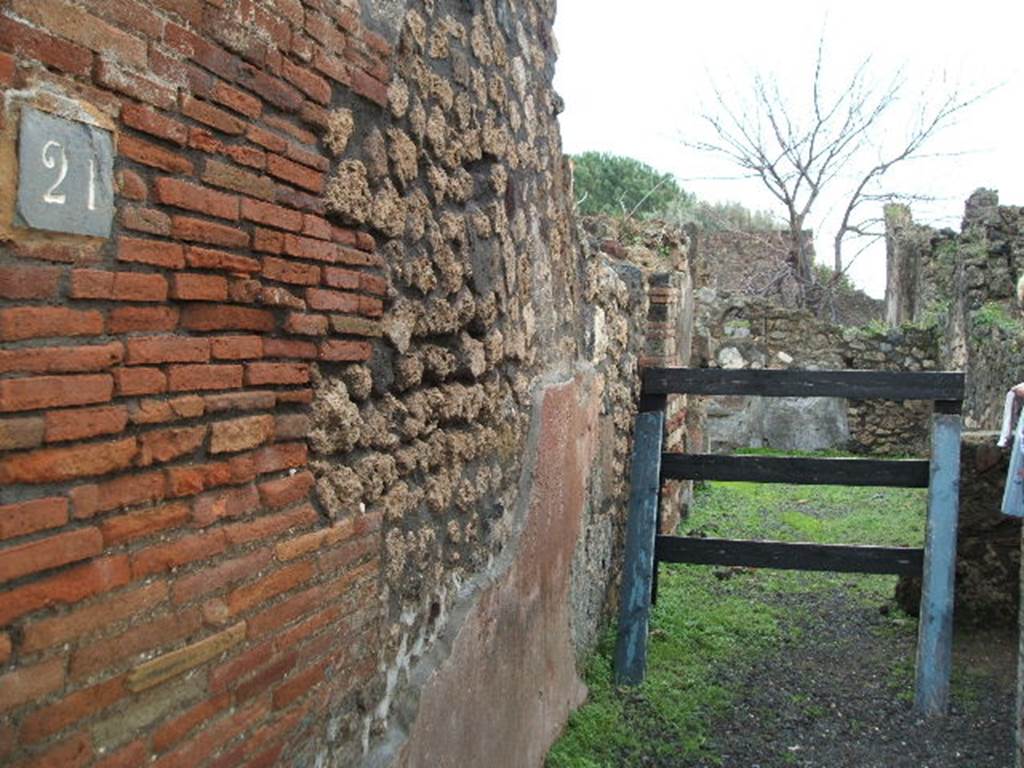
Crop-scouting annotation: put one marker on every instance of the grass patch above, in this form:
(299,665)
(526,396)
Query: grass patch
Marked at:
(708,620)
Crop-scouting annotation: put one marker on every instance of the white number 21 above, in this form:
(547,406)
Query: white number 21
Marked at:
(54,155)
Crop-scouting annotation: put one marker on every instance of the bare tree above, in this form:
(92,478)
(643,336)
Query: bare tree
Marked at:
(838,140)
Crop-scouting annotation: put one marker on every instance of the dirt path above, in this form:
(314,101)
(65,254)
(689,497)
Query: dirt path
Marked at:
(837,694)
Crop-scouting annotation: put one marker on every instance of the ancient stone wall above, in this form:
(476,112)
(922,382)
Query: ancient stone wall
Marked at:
(965,288)
(740,332)
(340,393)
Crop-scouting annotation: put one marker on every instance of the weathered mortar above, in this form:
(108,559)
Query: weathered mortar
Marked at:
(368,209)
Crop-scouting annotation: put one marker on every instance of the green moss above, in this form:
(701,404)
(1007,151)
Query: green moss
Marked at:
(994,314)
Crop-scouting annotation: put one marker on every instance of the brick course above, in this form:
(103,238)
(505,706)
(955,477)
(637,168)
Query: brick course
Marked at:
(152,464)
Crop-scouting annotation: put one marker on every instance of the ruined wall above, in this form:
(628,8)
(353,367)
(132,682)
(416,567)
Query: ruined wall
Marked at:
(739,332)
(663,254)
(965,287)
(274,452)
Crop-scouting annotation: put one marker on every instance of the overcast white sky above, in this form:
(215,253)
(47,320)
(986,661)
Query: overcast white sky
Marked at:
(634,76)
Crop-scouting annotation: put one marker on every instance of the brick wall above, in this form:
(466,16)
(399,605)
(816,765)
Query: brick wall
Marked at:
(163,572)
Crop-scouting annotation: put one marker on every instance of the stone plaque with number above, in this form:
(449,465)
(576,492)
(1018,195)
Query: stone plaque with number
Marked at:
(65,175)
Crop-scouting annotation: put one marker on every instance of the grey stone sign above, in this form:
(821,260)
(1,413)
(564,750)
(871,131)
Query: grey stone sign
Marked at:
(65,175)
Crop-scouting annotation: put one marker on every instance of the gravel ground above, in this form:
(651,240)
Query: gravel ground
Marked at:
(838,695)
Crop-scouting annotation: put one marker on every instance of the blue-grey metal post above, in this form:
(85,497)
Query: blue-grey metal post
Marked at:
(635,602)
(935,630)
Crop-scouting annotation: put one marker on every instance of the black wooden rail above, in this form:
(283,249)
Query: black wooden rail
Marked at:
(645,548)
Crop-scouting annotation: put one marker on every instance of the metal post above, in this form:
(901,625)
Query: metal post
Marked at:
(935,629)
(635,601)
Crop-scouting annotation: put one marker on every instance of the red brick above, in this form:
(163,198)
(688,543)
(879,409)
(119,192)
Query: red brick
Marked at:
(296,174)
(61,359)
(346,279)
(286,490)
(214,735)
(281,456)
(332,301)
(212,116)
(158,411)
(246,155)
(29,683)
(357,258)
(301,155)
(209,232)
(114,651)
(172,732)
(153,350)
(271,215)
(71,709)
(134,319)
(335,350)
(52,552)
(189,480)
(316,226)
(202,377)
(373,284)
(27,517)
(168,444)
(85,620)
(18,282)
(139,381)
(236,502)
(211,57)
(29,43)
(65,588)
(136,525)
(218,576)
(306,325)
(238,179)
(128,14)
(271,89)
(115,78)
(150,154)
(83,423)
(152,122)
(289,348)
(369,307)
(204,141)
(237,347)
(287,271)
(204,258)
(55,465)
(269,586)
(54,391)
(268,240)
(155,252)
(267,526)
(298,684)
(306,81)
(131,185)
(310,248)
(218,317)
(190,548)
(21,433)
(250,400)
(276,373)
(70,22)
(192,197)
(369,87)
(259,135)
(265,678)
(241,434)
(19,323)
(74,752)
(119,286)
(239,101)
(5,655)
(121,492)
(303,396)
(147,220)
(198,287)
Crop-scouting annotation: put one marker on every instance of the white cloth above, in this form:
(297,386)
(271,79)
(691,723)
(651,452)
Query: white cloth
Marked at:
(1008,427)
